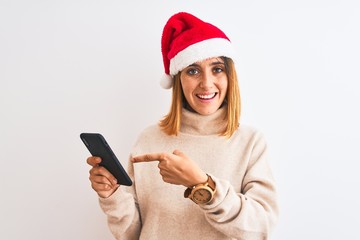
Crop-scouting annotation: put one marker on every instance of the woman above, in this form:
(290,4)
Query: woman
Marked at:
(198,174)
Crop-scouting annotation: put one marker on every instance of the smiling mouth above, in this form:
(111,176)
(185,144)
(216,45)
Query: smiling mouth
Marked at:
(206,96)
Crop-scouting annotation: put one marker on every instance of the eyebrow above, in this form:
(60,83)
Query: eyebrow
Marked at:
(211,64)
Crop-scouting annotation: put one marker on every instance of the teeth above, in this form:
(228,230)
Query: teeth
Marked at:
(206,96)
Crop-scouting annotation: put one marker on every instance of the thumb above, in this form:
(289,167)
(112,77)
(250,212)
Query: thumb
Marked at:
(178,153)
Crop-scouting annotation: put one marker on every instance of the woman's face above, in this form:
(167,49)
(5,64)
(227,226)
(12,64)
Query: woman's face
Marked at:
(204,85)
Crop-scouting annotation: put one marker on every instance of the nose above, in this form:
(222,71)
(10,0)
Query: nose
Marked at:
(207,80)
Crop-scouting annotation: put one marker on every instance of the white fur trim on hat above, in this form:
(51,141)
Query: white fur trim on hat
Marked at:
(214,47)
(166,81)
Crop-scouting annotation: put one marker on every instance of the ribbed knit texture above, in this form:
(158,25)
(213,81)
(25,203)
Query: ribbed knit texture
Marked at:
(244,206)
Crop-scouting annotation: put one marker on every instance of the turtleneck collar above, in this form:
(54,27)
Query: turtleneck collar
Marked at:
(196,124)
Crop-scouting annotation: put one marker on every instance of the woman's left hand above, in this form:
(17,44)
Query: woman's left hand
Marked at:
(175,168)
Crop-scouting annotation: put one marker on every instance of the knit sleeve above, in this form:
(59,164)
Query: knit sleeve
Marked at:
(251,213)
(122,212)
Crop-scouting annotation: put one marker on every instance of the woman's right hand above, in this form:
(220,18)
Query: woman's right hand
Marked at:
(102,181)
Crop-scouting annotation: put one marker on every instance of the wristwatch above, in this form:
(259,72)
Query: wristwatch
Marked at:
(201,193)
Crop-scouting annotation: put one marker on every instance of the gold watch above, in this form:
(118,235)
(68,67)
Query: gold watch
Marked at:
(201,193)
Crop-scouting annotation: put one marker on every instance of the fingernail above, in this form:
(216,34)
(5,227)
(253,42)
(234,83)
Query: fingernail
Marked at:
(115,181)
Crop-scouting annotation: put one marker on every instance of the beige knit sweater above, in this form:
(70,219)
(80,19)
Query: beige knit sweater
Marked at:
(244,206)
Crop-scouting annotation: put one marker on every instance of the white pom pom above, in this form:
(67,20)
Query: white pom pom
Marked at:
(166,81)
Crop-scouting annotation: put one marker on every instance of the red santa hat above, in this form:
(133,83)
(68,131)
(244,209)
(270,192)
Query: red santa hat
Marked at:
(187,39)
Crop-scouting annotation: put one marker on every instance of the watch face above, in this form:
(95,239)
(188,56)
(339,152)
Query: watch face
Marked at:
(202,195)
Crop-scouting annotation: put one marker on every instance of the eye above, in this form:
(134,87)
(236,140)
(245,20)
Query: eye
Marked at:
(218,69)
(192,71)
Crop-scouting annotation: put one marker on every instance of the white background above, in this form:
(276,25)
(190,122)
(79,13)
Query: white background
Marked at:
(68,67)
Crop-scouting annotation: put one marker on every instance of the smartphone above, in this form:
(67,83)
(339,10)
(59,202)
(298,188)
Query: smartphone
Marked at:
(97,146)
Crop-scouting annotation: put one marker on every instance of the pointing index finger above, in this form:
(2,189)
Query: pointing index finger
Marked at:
(150,157)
